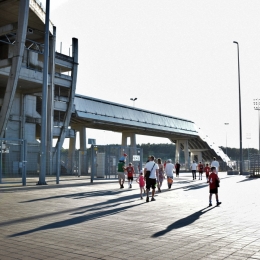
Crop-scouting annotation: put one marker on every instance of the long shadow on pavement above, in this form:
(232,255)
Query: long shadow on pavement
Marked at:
(248,179)
(183,222)
(81,195)
(196,186)
(201,185)
(103,204)
(4,189)
(75,220)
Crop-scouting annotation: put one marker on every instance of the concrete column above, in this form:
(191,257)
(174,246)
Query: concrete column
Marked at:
(132,136)
(198,153)
(124,138)
(71,155)
(16,65)
(72,91)
(83,150)
(177,151)
(50,102)
(186,154)
(133,140)
(199,156)
(192,156)
(131,150)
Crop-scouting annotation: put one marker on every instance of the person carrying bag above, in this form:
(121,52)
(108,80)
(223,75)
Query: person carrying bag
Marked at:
(150,176)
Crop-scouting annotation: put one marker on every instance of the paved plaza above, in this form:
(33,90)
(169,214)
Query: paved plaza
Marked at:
(79,220)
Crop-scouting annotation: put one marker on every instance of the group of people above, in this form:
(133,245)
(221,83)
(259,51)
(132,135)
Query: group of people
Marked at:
(201,168)
(155,172)
(158,173)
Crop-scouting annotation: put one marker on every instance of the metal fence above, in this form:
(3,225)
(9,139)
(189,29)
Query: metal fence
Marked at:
(70,165)
(255,164)
(103,160)
(18,159)
(13,159)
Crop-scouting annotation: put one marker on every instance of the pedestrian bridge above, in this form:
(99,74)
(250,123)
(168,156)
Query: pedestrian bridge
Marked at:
(101,114)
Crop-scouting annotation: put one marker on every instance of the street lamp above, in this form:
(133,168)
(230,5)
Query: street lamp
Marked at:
(248,136)
(240,120)
(257,107)
(226,136)
(133,99)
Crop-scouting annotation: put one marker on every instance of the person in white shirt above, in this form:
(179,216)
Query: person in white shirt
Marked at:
(193,167)
(169,169)
(215,164)
(151,178)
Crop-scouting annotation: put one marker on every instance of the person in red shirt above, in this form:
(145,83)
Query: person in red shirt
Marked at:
(200,168)
(130,174)
(177,169)
(164,164)
(213,186)
(207,170)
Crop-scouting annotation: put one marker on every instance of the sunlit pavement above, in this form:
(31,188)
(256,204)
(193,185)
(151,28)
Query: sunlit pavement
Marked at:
(79,220)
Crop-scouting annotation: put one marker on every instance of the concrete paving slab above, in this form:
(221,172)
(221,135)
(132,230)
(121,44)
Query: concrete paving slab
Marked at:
(79,220)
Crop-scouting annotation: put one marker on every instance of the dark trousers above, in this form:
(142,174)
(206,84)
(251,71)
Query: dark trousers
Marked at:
(193,174)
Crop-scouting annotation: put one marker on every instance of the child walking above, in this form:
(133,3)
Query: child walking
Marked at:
(130,174)
(200,166)
(207,170)
(213,186)
(141,181)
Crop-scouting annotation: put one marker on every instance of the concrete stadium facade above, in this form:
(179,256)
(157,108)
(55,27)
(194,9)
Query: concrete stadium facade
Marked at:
(22,33)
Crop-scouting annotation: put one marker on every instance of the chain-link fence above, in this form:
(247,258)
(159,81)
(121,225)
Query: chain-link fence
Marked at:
(19,159)
(12,159)
(70,164)
(99,161)
(33,159)
(255,164)
(104,159)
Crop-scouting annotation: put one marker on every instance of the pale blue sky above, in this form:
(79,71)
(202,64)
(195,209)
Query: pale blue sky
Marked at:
(176,57)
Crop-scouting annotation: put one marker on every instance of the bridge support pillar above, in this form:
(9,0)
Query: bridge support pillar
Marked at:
(132,136)
(71,155)
(186,154)
(197,155)
(83,150)
(177,151)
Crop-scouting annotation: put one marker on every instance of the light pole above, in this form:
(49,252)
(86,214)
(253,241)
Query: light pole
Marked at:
(248,136)
(240,119)
(257,107)
(133,99)
(226,136)
(43,157)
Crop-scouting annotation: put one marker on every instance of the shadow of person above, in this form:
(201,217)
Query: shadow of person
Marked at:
(247,179)
(76,220)
(183,222)
(196,186)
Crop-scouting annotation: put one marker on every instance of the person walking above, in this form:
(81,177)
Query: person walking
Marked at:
(194,166)
(207,170)
(160,174)
(130,174)
(164,164)
(200,167)
(213,186)
(215,164)
(141,181)
(177,168)
(120,170)
(151,172)
(169,169)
